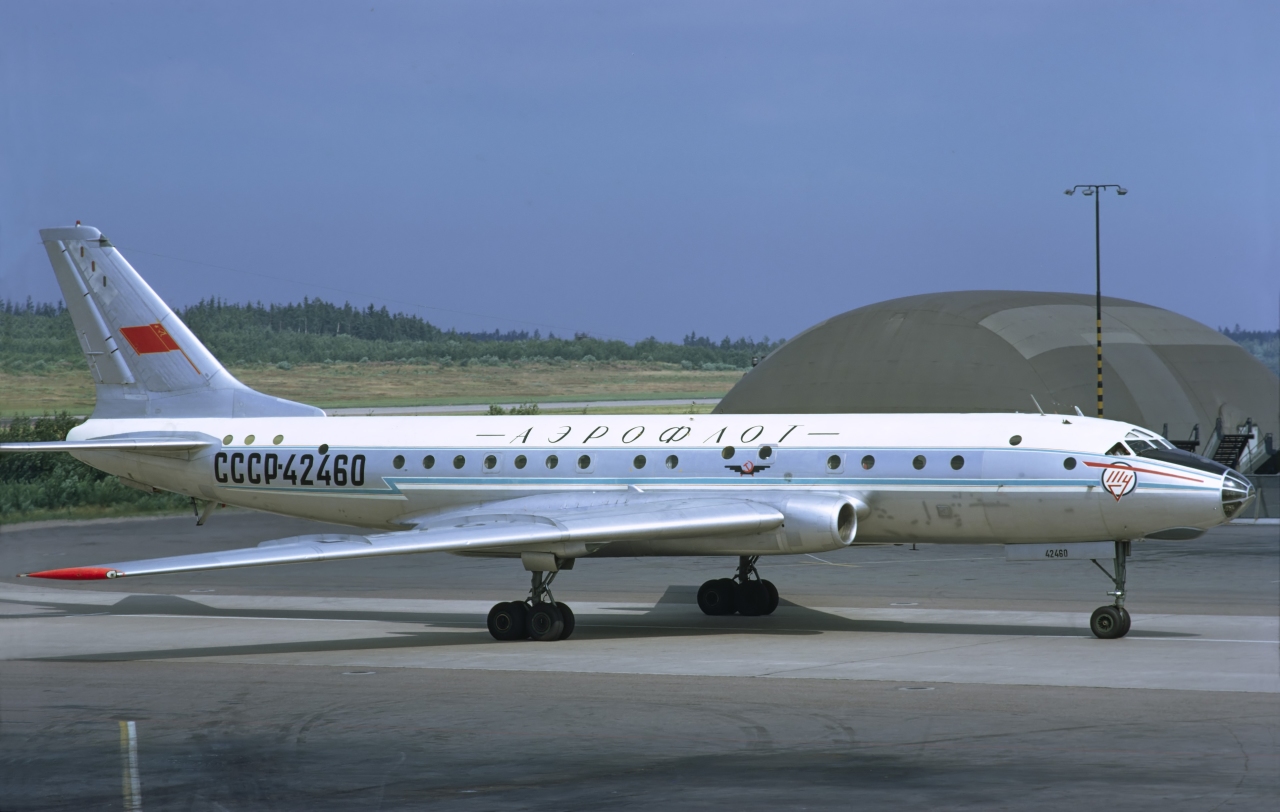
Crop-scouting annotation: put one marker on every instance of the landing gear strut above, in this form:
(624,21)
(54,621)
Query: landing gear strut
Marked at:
(746,593)
(538,617)
(1112,622)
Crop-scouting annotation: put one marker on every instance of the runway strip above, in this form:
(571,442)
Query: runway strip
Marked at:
(1185,652)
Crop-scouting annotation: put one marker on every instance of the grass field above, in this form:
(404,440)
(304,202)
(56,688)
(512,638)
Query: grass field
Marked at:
(390,384)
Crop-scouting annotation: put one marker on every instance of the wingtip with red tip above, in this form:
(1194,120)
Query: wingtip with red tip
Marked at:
(76,574)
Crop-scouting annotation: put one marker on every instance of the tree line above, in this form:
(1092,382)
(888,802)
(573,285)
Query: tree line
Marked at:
(316,331)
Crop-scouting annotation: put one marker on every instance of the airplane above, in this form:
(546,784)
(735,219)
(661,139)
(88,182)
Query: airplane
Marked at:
(551,490)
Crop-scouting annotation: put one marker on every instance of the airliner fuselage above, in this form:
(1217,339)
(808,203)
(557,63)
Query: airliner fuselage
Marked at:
(987,478)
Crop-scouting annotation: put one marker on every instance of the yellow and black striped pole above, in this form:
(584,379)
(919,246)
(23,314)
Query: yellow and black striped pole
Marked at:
(1097,259)
(1095,189)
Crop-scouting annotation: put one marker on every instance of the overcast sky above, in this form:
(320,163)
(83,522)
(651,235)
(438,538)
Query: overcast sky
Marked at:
(629,169)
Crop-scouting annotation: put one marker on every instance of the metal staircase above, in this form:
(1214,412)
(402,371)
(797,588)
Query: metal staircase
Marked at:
(1230,448)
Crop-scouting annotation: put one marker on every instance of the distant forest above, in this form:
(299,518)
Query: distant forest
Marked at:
(315,331)
(1263,344)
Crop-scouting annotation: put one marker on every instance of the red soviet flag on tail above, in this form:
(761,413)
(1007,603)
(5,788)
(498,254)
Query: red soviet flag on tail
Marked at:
(150,338)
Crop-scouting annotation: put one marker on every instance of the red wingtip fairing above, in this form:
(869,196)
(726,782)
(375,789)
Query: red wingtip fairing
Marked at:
(76,574)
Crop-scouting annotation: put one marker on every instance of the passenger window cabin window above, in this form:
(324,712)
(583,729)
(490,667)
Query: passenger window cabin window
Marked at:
(1118,450)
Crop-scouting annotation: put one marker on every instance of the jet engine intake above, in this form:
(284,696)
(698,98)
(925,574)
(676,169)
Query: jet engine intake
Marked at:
(819,521)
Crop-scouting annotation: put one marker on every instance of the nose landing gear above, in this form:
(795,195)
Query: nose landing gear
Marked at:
(539,617)
(746,593)
(1112,622)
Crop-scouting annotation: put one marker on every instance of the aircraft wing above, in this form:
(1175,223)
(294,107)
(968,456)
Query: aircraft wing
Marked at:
(647,520)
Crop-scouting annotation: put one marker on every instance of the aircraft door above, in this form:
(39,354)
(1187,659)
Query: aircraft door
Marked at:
(1038,498)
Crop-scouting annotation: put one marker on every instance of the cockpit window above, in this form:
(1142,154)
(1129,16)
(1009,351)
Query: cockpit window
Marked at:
(1139,446)
(1118,450)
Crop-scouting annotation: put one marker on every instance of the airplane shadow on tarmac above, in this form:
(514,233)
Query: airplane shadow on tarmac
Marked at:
(675,615)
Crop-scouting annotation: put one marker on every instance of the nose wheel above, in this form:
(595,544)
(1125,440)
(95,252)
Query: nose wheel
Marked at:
(538,617)
(1112,622)
(745,594)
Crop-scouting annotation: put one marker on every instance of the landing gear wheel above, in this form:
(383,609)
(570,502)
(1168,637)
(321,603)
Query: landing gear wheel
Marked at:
(752,599)
(773,597)
(1107,622)
(1127,621)
(715,597)
(507,621)
(545,622)
(566,614)
(521,610)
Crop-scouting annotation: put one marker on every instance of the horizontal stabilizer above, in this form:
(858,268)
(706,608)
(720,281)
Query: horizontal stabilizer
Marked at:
(650,520)
(128,444)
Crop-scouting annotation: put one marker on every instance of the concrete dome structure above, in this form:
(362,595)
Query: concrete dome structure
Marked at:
(991,351)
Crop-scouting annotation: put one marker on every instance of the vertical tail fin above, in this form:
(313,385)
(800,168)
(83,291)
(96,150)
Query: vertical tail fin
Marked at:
(145,362)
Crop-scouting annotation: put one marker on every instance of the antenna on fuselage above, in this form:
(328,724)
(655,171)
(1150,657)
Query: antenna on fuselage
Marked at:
(1077,408)
(1037,403)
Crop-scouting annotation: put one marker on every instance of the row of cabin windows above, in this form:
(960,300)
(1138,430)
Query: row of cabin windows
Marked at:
(552,461)
(727,453)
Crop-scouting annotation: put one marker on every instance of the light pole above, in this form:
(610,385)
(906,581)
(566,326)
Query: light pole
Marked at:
(1096,190)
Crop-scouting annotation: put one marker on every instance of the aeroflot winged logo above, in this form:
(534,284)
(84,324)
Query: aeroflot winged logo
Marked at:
(1119,480)
(747,468)
(152,338)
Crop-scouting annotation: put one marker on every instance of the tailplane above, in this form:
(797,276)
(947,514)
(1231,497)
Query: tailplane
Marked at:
(145,362)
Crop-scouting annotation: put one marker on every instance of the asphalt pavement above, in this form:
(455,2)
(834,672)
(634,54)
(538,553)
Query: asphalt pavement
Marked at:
(942,676)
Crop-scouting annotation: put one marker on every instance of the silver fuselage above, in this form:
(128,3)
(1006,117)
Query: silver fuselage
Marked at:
(940,478)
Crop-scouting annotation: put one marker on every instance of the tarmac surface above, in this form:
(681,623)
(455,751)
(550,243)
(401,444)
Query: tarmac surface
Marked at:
(943,677)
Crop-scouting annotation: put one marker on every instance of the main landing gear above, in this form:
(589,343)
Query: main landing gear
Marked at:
(538,617)
(746,593)
(1112,622)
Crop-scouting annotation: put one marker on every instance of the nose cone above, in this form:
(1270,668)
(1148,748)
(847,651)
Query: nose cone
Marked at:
(1237,493)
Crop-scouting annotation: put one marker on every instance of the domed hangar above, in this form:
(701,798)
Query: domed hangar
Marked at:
(994,351)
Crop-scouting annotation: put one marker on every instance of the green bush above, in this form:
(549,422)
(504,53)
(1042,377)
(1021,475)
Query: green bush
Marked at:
(47,484)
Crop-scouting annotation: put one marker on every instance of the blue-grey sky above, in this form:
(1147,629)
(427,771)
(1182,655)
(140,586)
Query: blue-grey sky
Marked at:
(630,169)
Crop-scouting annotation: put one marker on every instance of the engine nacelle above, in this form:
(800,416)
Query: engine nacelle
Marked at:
(819,521)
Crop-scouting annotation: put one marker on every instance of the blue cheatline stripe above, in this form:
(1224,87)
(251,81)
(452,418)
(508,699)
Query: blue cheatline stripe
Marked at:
(535,480)
(395,484)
